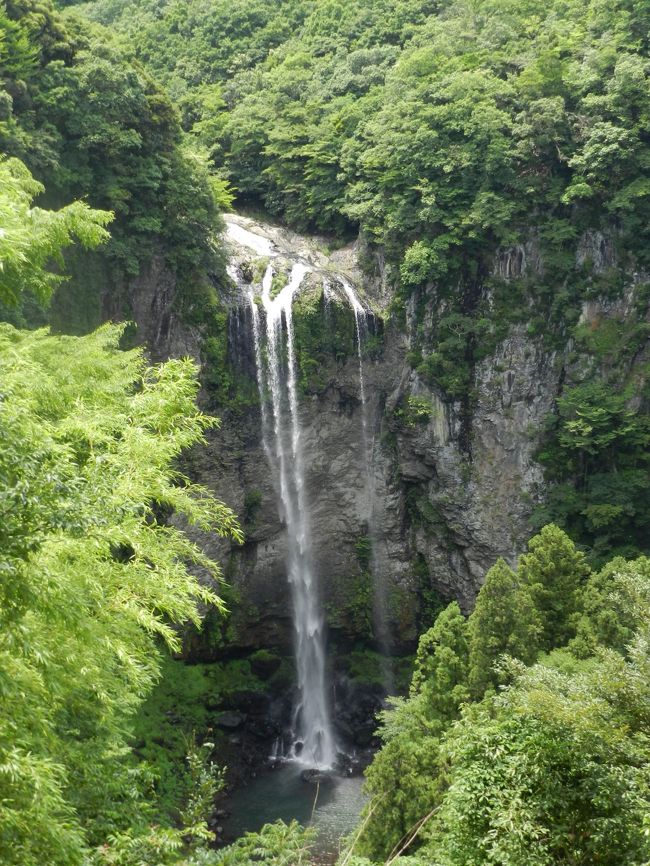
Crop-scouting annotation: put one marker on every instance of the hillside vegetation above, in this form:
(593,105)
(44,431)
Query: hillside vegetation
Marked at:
(495,156)
(91,124)
(524,738)
(457,137)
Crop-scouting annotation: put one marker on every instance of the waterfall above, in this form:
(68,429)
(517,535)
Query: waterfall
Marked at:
(361,328)
(271,318)
(257,340)
(282,439)
(380,599)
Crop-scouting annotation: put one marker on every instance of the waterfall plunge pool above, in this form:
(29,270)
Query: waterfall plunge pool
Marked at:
(281,793)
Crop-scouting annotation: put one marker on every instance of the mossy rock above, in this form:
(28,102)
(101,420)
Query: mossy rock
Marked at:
(279,281)
(325,335)
(264,663)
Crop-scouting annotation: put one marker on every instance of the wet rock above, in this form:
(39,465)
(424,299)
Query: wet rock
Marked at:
(248,701)
(263,728)
(230,720)
(364,735)
(312,776)
(355,711)
(355,762)
(264,664)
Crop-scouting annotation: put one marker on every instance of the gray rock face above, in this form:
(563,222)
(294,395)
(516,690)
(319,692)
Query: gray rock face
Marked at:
(230,720)
(440,520)
(150,299)
(474,512)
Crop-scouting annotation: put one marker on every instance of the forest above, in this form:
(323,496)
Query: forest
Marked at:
(449,197)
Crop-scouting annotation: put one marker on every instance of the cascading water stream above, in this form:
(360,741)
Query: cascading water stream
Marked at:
(259,367)
(275,361)
(313,738)
(361,328)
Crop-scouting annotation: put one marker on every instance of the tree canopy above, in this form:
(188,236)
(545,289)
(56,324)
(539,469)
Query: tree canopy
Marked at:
(92,125)
(32,239)
(541,760)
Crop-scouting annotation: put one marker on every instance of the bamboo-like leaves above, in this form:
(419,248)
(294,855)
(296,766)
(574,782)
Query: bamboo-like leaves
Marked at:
(93,576)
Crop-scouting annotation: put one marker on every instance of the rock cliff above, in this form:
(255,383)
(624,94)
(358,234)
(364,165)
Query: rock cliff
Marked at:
(439,519)
(441,512)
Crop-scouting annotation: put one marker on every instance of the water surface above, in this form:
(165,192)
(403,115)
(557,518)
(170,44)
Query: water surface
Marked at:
(282,794)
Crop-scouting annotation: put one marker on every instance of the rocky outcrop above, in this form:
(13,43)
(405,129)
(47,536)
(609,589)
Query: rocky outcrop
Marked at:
(439,520)
(150,301)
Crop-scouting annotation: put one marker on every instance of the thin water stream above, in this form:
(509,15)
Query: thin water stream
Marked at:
(380,600)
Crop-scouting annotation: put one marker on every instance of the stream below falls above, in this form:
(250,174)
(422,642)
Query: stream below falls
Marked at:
(281,793)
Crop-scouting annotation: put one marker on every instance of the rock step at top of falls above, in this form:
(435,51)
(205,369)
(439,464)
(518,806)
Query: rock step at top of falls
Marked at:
(277,243)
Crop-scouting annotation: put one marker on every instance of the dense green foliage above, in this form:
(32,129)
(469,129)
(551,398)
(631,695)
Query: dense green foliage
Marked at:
(436,131)
(32,238)
(324,331)
(92,573)
(186,702)
(88,436)
(552,766)
(505,621)
(480,146)
(597,459)
(89,123)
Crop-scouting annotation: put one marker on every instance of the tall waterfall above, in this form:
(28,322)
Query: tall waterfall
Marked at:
(271,316)
(313,737)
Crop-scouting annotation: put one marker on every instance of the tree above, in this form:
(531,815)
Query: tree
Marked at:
(441,665)
(555,571)
(504,621)
(405,777)
(612,607)
(544,775)
(93,576)
(553,768)
(596,458)
(92,125)
(32,239)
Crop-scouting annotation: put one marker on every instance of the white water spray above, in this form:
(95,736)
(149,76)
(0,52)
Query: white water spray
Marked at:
(260,245)
(314,743)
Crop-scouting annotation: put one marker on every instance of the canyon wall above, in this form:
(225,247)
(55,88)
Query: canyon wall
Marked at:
(449,496)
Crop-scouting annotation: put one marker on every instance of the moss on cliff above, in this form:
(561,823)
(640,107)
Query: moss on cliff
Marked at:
(325,332)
